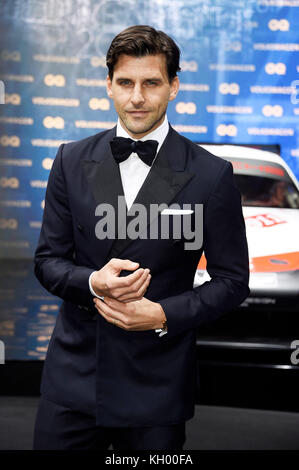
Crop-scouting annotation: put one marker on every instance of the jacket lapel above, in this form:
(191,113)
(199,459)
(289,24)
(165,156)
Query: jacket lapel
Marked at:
(103,175)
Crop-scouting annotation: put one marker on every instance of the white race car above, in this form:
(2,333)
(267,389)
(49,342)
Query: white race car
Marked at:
(270,200)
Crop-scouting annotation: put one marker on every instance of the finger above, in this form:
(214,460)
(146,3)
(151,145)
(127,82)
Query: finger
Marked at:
(117,318)
(120,264)
(138,292)
(123,321)
(110,308)
(137,285)
(113,321)
(141,282)
(125,283)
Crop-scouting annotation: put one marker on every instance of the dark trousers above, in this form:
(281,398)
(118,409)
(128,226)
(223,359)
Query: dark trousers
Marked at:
(60,428)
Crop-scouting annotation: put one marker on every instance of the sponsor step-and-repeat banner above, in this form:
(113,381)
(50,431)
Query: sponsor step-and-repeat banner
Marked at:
(239,84)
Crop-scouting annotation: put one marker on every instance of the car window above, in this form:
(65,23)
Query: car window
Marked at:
(259,191)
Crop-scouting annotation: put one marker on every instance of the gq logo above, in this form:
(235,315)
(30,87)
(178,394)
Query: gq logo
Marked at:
(2,92)
(54,80)
(51,122)
(235,46)
(295,92)
(295,354)
(9,183)
(14,56)
(14,99)
(189,66)
(275,111)
(47,308)
(10,141)
(10,224)
(279,25)
(230,130)
(275,69)
(185,108)
(47,163)
(96,61)
(103,104)
(229,88)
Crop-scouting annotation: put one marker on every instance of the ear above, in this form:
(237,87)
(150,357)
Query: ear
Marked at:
(174,88)
(109,86)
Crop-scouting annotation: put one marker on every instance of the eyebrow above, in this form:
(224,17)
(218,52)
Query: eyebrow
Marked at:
(152,79)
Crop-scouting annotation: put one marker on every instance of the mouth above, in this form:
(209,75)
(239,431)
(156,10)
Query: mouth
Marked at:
(138,114)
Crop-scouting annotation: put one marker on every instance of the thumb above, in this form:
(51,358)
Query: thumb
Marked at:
(120,264)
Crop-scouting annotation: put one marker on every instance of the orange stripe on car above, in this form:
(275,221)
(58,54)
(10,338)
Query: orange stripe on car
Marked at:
(271,263)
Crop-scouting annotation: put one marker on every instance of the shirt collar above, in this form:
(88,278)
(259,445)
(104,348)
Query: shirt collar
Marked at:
(158,134)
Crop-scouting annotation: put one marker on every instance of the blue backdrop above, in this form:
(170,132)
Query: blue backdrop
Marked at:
(239,84)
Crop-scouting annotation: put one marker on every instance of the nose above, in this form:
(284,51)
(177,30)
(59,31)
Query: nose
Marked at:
(137,97)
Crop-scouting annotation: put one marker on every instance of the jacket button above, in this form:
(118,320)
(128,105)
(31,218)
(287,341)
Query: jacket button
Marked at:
(79,227)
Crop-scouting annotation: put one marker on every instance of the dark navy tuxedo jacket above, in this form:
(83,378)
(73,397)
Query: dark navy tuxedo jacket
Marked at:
(136,378)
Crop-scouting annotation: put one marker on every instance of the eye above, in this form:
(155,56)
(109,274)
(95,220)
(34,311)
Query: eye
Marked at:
(152,82)
(125,82)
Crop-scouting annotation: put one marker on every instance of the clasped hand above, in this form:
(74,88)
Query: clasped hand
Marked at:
(124,303)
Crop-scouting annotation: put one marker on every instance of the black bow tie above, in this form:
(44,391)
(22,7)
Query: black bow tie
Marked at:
(122,148)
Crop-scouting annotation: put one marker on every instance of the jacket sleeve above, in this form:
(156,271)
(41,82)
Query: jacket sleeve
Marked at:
(225,248)
(55,265)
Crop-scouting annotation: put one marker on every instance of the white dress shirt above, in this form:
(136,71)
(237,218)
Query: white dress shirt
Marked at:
(133,172)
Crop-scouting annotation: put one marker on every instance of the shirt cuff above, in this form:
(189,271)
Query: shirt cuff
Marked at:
(91,289)
(162,332)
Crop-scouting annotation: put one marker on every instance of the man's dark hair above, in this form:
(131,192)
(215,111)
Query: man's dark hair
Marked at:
(142,40)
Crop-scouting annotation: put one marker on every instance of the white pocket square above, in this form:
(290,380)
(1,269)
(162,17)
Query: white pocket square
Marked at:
(177,212)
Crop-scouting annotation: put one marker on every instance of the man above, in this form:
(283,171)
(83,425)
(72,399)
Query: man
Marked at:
(121,364)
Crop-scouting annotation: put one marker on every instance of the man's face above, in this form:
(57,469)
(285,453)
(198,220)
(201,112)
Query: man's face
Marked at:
(140,90)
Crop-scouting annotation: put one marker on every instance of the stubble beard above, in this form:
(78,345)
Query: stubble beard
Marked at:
(147,126)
